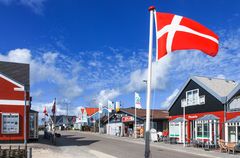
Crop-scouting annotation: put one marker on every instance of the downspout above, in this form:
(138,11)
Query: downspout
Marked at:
(224,116)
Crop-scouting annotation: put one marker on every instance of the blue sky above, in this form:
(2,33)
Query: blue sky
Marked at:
(84,52)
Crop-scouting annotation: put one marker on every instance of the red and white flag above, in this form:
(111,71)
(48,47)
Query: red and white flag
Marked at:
(45,111)
(180,33)
(54,107)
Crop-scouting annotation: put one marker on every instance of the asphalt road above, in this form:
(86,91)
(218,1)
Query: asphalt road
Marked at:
(114,147)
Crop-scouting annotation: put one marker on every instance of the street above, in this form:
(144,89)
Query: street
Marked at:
(75,143)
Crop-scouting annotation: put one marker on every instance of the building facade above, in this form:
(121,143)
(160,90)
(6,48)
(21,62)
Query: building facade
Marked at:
(14,94)
(200,110)
(122,123)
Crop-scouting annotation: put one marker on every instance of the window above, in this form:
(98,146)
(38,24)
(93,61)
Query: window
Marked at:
(192,97)
(234,105)
(202,100)
(10,123)
(174,130)
(199,130)
(232,133)
(205,130)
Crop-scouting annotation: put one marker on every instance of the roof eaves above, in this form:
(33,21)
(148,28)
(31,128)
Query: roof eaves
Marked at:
(233,92)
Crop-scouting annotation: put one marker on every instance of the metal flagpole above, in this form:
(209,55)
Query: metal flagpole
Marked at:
(108,123)
(99,123)
(147,130)
(184,131)
(135,128)
(25,117)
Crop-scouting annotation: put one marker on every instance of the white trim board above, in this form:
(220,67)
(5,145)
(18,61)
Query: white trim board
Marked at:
(13,102)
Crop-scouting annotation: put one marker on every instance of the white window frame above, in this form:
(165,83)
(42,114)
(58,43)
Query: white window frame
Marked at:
(174,129)
(201,99)
(10,132)
(188,103)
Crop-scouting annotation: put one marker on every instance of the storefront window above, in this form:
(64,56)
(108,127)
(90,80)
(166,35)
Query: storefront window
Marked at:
(174,130)
(205,130)
(10,123)
(232,134)
(199,130)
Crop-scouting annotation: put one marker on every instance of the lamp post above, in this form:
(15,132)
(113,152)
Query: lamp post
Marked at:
(25,118)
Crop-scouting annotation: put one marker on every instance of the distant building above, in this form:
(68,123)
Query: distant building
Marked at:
(123,122)
(14,91)
(64,121)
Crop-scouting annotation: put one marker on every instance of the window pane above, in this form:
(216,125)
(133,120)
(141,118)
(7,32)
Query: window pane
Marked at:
(199,130)
(10,123)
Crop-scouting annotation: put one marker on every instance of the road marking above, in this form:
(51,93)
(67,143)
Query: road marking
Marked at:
(99,154)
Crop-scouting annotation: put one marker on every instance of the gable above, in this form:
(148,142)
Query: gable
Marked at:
(211,102)
(234,101)
(11,92)
(18,72)
(8,83)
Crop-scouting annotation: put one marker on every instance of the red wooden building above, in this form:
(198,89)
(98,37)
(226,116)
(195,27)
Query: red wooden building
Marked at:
(14,94)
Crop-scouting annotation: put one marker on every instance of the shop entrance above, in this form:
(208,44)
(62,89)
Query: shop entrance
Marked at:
(192,130)
(128,130)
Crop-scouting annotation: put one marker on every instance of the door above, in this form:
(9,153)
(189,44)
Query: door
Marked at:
(192,130)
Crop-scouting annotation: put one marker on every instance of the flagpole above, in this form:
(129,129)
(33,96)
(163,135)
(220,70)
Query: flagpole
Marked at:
(25,117)
(135,129)
(147,130)
(54,130)
(108,123)
(99,124)
(184,130)
(99,119)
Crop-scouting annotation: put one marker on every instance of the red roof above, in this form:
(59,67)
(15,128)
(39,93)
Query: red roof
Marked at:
(91,111)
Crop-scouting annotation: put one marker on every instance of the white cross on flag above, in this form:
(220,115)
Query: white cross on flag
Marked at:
(180,33)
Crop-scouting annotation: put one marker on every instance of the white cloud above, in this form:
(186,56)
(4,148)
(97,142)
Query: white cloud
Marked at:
(221,76)
(169,99)
(107,94)
(43,68)
(17,55)
(50,57)
(37,93)
(35,5)
(159,76)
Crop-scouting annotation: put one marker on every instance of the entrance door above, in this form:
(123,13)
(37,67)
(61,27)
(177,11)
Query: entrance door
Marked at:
(192,130)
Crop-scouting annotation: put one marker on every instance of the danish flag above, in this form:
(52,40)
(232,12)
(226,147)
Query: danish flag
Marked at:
(180,33)
(45,111)
(54,107)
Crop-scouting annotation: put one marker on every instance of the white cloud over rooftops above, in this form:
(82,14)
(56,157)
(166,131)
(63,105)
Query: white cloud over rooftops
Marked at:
(44,69)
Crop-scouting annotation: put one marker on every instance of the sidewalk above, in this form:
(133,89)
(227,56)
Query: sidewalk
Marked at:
(174,147)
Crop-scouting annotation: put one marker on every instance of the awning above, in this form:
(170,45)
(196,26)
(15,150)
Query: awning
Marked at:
(179,119)
(234,120)
(207,118)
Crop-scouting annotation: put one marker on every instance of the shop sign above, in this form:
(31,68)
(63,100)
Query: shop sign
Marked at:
(192,117)
(127,118)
